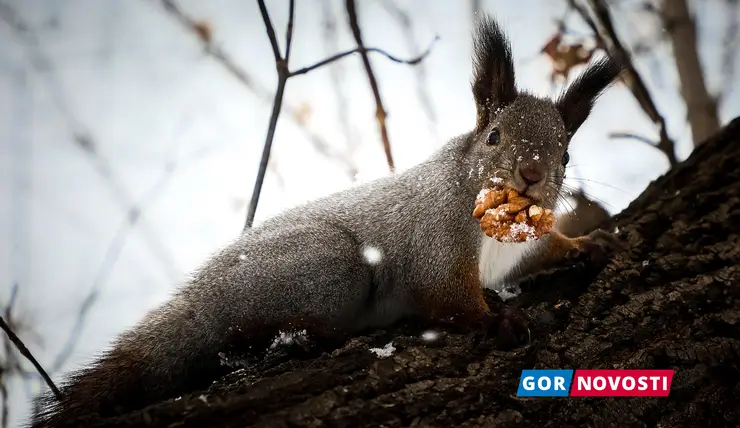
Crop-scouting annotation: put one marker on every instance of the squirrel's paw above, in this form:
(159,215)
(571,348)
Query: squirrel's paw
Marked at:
(598,245)
(509,328)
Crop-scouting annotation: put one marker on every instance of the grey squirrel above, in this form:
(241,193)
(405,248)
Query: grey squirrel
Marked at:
(362,258)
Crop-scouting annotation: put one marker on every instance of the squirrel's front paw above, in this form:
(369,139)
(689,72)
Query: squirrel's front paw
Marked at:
(598,245)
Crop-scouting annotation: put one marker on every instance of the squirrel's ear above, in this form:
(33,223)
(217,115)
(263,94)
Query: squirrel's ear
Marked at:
(493,70)
(576,102)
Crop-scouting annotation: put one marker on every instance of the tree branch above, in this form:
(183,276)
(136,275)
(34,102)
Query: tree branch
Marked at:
(241,75)
(26,353)
(336,79)
(422,89)
(701,108)
(631,136)
(607,38)
(284,74)
(271,31)
(412,61)
(380,113)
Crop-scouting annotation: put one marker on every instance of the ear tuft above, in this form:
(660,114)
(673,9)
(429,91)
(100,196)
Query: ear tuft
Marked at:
(576,102)
(493,70)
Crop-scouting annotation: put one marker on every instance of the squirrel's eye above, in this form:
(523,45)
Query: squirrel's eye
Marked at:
(493,138)
(566,158)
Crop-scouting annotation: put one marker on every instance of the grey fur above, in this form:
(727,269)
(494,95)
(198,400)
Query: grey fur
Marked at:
(309,262)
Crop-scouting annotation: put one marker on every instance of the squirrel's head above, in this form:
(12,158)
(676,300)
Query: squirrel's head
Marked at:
(521,140)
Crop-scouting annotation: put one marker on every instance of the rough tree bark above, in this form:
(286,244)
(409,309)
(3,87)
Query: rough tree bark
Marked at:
(671,300)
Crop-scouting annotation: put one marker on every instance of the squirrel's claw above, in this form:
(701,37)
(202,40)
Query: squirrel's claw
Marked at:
(598,244)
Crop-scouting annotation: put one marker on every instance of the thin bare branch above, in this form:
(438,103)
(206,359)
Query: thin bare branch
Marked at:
(283,76)
(289,32)
(4,395)
(422,90)
(26,353)
(607,38)
(241,75)
(336,80)
(271,31)
(631,136)
(412,61)
(81,136)
(701,107)
(380,112)
(114,250)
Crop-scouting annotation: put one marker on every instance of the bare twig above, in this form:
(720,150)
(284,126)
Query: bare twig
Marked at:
(405,22)
(337,73)
(9,365)
(241,75)
(701,107)
(363,50)
(4,395)
(26,353)
(607,38)
(81,135)
(284,73)
(380,113)
(631,136)
(114,250)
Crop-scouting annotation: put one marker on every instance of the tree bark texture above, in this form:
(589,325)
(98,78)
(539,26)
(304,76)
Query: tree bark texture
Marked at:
(670,300)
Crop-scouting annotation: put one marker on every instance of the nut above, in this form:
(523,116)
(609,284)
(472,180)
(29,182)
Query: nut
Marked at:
(508,217)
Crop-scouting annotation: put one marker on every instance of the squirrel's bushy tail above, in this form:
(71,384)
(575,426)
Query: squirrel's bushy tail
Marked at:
(163,357)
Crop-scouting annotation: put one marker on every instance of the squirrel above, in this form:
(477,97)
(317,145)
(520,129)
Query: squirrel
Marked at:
(366,257)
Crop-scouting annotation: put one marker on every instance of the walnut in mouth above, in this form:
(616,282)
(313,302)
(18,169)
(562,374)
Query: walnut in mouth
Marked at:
(509,217)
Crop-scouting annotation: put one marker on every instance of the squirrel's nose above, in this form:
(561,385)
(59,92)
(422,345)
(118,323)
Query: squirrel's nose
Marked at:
(532,173)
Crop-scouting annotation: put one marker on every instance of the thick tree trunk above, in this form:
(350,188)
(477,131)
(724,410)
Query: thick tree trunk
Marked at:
(671,300)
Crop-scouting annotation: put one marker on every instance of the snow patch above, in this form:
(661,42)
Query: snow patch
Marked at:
(385,351)
(430,336)
(508,293)
(372,255)
(288,338)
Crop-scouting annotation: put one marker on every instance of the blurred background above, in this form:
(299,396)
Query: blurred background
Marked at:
(131,131)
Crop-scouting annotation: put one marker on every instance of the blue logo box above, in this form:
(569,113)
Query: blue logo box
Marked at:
(544,383)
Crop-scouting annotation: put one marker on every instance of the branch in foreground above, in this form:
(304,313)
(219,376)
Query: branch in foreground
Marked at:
(380,113)
(241,75)
(284,73)
(607,37)
(26,353)
(631,136)
(362,51)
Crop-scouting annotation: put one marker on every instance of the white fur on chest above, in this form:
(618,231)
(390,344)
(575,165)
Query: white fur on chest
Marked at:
(498,259)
